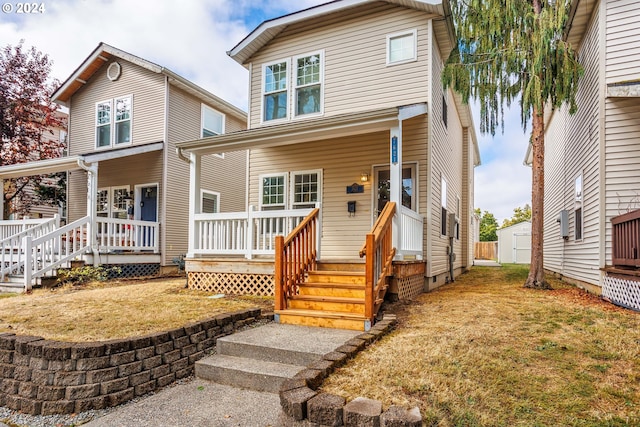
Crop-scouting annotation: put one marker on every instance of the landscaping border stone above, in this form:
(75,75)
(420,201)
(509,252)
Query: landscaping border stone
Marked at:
(44,377)
(303,406)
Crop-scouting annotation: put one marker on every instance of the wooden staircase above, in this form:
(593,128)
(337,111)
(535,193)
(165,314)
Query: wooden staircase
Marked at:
(332,296)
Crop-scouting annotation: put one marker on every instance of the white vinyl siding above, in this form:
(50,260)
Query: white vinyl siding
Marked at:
(623,41)
(572,145)
(355,60)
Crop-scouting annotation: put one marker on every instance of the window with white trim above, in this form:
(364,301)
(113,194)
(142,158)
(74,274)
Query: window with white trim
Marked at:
(113,121)
(273,191)
(443,204)
(112,202)
(212,122)
(308,84)
(210,202)
(578,208)
(402,47)
(305,189)
(275,91)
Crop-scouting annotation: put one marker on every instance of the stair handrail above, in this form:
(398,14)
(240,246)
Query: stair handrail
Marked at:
(50,251)
(295,255)
(378,252)
(12,247)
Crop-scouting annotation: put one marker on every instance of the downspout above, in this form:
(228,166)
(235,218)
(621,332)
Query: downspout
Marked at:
(92,190)
(181,155)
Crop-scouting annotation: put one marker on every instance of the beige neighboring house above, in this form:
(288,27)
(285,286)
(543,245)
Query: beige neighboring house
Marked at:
(127,201)
(592,159)
(346,114)
(58,134)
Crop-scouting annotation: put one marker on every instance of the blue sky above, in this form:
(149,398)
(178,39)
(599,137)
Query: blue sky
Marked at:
(191,38)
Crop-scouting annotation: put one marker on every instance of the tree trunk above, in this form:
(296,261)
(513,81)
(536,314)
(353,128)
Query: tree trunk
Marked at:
(536,272)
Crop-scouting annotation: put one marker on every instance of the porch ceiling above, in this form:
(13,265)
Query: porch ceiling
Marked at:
(295,133)
(44,167)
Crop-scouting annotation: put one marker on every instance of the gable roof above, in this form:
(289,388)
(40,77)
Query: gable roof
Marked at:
(105,53)
(270,29)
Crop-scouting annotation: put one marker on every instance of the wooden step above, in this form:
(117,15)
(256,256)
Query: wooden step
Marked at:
(340,266)
(341,277)
(341,290)
(327,303)
(322,319)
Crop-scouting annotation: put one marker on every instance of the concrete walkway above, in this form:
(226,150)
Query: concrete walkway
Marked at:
(204,403)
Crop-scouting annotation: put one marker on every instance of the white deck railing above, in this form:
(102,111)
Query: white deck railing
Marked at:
(125,234)
(12,249)
(12,227)
(244,233)
(410,234)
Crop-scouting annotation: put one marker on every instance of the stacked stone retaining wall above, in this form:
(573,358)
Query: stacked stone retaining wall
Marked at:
(43,377)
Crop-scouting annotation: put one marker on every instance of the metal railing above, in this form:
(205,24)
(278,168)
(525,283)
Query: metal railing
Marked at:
(244,233)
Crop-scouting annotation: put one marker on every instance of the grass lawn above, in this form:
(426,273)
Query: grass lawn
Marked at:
(484,351)
(114,309)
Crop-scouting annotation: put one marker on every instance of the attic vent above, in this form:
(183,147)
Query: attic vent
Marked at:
(113,72)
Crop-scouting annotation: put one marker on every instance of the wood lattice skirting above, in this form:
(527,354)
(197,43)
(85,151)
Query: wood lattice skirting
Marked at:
(624,292)
(410,287)
(231,283)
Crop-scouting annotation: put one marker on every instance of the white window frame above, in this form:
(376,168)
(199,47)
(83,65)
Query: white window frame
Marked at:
(284,205)
(295,86)
(578,204)
(263,119)
(111,202)
(113,122)
(414,34)
(203,109)
(211,193)
(292,187)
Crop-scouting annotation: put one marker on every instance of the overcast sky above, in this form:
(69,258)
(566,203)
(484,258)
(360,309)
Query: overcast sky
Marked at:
(191,38)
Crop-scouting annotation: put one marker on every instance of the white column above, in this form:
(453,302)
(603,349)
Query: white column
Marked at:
(2,201)
(194,199)
(92,208)
(395,190)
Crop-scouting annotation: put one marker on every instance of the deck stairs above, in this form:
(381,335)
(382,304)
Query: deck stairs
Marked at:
(332,296)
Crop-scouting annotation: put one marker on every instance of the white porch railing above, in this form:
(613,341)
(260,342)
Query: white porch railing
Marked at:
(244,233)
(410,233)
(114,234)
(12,227)
(47,252)
(12,247)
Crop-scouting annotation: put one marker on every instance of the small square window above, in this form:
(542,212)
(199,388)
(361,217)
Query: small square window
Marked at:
(401,47)
(210,202)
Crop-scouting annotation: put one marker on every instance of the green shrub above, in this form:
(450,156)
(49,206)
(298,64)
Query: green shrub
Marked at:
(85,274)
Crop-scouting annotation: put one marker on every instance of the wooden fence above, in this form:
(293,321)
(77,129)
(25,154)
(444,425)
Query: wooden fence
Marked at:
(486,250)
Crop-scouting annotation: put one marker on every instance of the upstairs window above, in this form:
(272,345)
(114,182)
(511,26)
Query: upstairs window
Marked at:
(113,122)
(212,122)
(275,91)
(210,202)
(308,84)
(401,47)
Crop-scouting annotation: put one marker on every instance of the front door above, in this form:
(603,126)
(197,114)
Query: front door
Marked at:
(383,188)
(149,203)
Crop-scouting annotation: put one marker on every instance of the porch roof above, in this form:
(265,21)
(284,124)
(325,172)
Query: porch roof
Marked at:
(61,164)
(295,133)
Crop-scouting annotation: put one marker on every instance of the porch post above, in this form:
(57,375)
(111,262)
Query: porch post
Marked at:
(395,169)
(195,162)
(92,207)
(2,201)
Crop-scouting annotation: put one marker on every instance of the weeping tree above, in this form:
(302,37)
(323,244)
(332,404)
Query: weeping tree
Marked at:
(513,50)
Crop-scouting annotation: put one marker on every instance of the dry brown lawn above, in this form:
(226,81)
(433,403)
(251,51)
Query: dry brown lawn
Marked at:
(114,309)
(486,352)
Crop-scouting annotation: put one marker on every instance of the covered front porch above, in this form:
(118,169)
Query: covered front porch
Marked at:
(338,174)
(35,248)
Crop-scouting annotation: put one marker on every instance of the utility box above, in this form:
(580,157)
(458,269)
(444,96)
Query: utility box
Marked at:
(563,220)
(453,226)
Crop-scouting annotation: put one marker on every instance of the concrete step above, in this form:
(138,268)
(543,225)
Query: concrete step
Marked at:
(243,372)
(11,287)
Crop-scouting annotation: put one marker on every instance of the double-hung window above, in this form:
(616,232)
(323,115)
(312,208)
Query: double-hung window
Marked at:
(304,75)
(113,202)
(305,189)
(212,122)
(290,190)
(308,84)
(273,191)
(113,122)
(275,97)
